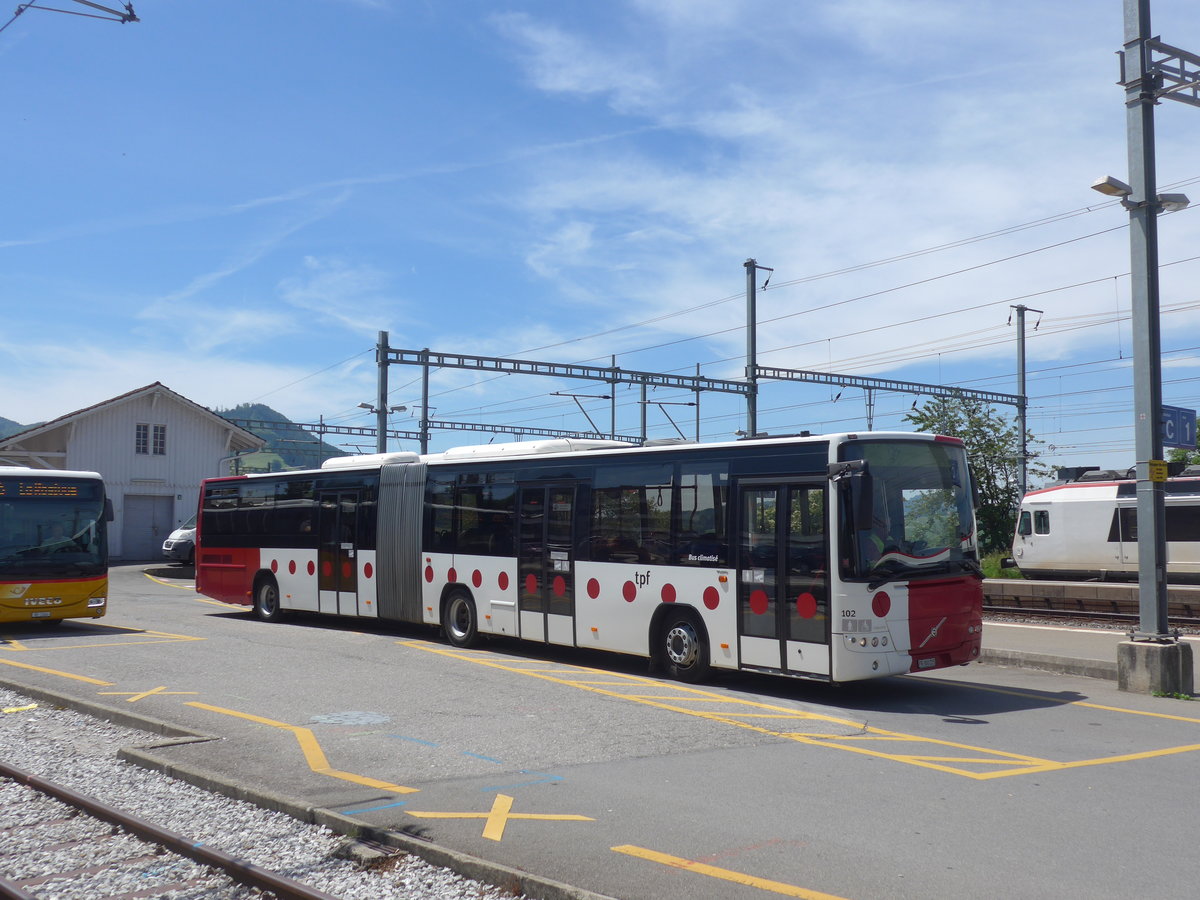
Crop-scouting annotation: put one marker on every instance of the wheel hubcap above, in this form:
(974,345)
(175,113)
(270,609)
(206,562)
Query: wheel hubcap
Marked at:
(681,644)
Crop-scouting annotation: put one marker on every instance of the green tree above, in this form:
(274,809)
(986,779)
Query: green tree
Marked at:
(1187,457)
(993,444)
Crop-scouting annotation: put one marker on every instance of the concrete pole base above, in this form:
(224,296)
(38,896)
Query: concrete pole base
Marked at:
(1146,667)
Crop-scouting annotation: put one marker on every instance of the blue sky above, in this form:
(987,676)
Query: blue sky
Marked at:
(235,198)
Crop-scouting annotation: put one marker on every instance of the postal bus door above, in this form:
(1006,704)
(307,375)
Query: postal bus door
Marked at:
(545,563)
(337,565)
(783,576)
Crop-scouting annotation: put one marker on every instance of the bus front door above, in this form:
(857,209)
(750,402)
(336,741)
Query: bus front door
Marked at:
(337,565)
(783,577)
(545,564)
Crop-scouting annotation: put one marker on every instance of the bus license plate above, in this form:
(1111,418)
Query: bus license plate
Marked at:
(927,663)
(41,614)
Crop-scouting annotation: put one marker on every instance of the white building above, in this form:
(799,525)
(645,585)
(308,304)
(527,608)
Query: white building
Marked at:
(153,447)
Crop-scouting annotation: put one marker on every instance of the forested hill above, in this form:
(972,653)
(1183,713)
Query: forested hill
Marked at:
(293,446)
(8,426)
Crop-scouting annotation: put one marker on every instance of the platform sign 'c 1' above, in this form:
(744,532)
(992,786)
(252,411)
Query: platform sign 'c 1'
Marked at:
(1179,427)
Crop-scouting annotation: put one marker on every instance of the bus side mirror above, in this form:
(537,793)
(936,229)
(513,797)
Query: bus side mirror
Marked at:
(854,475)
(108,510)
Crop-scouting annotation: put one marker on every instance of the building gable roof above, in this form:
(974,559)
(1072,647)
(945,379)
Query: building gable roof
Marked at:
(241,439)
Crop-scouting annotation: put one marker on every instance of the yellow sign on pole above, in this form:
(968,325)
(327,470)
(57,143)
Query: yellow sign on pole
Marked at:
(1158,470)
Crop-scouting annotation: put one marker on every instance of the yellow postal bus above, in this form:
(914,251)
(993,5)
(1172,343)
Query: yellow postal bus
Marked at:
(53,545)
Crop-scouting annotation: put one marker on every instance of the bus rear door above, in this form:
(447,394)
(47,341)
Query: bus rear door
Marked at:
(545,563)
(337,565)
(783,576)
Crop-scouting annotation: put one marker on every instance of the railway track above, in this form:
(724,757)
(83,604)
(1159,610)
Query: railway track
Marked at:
(1084,601)
(56,842)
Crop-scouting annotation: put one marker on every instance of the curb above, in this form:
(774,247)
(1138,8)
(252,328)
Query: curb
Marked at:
(1088,668)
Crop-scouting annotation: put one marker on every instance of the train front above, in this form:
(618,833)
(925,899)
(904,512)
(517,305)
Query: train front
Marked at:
(910,592)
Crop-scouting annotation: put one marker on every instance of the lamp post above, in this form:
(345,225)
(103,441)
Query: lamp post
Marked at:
(1153,659)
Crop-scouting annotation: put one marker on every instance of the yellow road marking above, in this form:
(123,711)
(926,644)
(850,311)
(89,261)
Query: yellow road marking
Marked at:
(313,754)
(165,583)
(135,696)
(979,763)
(19,665)
(498,816)
(17,709)
(14,645)
(689,865)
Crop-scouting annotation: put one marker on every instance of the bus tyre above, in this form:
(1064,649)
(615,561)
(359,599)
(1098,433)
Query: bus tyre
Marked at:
(266,600)
(684,648)
(460,621)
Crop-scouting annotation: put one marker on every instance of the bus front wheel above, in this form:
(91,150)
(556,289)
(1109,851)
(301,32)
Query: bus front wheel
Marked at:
(683,648)
(266,600)
(460,621)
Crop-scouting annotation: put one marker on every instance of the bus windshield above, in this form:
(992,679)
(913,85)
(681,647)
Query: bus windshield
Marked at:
(921,516)
(51,528)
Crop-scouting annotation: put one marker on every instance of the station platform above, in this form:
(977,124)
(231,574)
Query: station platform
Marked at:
(1070,650)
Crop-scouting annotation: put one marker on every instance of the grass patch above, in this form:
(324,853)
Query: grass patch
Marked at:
(991,567)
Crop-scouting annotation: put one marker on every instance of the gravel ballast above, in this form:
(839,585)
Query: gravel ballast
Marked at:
(80,752)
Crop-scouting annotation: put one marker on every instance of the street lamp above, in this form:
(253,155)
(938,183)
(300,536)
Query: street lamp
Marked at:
(1112,187)
(381,414)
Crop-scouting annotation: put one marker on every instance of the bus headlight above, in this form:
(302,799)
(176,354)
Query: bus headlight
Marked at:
(95,602)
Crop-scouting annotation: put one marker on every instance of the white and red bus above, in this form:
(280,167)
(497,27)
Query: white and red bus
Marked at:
(836,558)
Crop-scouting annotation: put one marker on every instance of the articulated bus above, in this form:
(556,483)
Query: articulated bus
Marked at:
(53,545)
(834,558)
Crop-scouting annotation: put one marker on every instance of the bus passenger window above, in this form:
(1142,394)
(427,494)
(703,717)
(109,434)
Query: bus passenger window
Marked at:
(1041,521)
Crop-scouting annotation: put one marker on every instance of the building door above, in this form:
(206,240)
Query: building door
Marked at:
(783,576)
(545,564)
(337,552)
(145,523)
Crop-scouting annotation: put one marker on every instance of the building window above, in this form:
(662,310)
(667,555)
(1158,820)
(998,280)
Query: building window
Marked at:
(147,442)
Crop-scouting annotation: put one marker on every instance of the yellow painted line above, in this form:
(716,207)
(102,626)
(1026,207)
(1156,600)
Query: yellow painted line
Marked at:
(135,696)
(498,817)
(311,748)
(950,757)
(165,583)
(17,709)
(244,607)
(10,644)
(690,865)
(84,678)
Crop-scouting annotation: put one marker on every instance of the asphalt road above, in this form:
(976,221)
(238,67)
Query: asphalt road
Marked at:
(581,768)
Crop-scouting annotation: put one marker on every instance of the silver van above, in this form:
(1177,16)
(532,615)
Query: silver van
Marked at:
(181,543)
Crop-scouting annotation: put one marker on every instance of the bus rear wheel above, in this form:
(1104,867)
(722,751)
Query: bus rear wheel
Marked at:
(460,621)
(683,648)
(266,600)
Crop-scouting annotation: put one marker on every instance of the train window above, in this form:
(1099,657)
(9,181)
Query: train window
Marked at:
(1025,525)
(1041,521)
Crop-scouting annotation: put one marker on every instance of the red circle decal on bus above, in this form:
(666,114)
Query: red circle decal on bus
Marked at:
(291,567)
(274,565)
(312,567)
(712,597)
(629,592)
(593,588)
(758,601)
(368,570)
(452,576)
(881,604)
(806,605)
(346,570)
(502,581)
(668,593)
(326,568)
(477,578)
(560,586)
(531,583)
(429,574)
